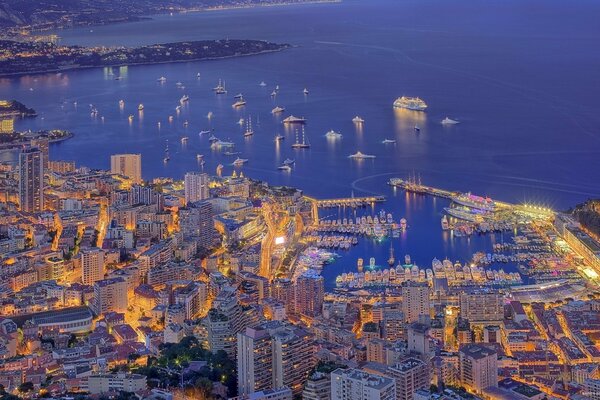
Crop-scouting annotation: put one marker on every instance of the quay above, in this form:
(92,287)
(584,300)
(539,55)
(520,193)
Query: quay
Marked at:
(341,202)
(415,186)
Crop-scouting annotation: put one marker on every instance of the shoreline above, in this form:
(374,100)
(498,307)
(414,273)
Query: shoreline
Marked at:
(145,17)
(79,67)
(243,7)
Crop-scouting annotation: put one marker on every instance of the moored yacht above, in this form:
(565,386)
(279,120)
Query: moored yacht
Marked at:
(333,135)
(388,141)
(360,156)
(449,121)
(277,110)
(358,120)
(239,103)
(239,162)
(294,120)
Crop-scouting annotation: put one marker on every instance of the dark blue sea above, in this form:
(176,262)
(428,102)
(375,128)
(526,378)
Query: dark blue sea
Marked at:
(522,77)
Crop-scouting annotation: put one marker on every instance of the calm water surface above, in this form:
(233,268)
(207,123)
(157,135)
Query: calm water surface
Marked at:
(521,76)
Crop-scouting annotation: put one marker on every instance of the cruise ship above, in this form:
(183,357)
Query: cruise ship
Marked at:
(360,156)
(410,103)
(294,120)
(449,121)
(463,214)
(277,110)
(475,202)
(333,135)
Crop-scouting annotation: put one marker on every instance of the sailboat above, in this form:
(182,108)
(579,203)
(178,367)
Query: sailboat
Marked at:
(301,144)
(220,88)
(249,131)
(167,156)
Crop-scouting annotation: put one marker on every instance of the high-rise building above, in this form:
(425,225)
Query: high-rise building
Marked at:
(43,144)
(196,223)
(309,294)
(282,290)
(317,387)
(418,340)
(411,375)
(254,359)
(282,393)
(274,354)
(31,180)
(592,389)
(7,125)
(482,307)
(355,384)
(478,367)
(415,301)
(92,266)
(110,295)
(129,165)
(196,187)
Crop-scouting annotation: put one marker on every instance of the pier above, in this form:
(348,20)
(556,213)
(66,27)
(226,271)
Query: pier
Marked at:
(342,202)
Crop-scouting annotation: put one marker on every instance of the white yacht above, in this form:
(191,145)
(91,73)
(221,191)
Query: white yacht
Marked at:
(239,162)
(141,107)
(360,156)
(305,91)
(333,135)
(358,120)
(184,98)
(203,132)
(288,161)
(388,141)
(284,167)
(294,120)
(209,115)
(239,103)
(277,110)
(220,144)
(162,79)
(449,121)
(262,84)
(121,103)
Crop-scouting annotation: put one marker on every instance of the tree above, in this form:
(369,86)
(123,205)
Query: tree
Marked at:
(25,387)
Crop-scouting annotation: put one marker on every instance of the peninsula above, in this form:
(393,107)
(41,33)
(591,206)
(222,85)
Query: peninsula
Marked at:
(38,57)
(14,109)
